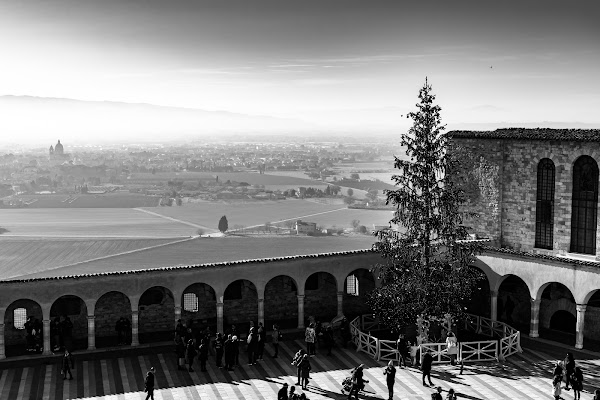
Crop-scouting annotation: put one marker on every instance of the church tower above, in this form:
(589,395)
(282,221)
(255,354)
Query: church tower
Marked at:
(51,152)
(58,149)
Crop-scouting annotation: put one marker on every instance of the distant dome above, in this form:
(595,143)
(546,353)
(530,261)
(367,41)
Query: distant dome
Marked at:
(58,148)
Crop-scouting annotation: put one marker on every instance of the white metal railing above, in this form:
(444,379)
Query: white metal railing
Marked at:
(509,341)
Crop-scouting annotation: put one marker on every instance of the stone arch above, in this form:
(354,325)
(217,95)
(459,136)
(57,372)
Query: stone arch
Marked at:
(109,308)
(320,301)
(240,305)
(281,302)
(591,325)
(363,282)
(555,296)
(514,302)
(15,340)
(480,303)
(156,308)
(206,310)
(70,308)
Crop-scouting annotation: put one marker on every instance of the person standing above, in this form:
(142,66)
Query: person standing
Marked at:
(451,395)
(452,347)
(275,336)
(149,384)
(328,338)
(390,375)
(262,337)
(305,370)
(577,383)
(426,366)
(556,390)
(203,354)
(252,342)
(236,351)
(282,394)
(67,364)
(190,354)
(309,338)
(438,394)
(358,382)
(218,344)
(296,362)
(228,350)
(569,368)
(402,348)
(180,351)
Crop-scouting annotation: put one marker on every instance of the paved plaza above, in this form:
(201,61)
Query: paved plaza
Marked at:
(104,376)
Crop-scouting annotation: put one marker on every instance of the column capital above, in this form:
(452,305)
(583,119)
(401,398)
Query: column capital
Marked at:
(300,296)
(91,317)
(220,304)
(494,293)
(340,293)
(135,312)
(535,302)
(261,300)
(581,307)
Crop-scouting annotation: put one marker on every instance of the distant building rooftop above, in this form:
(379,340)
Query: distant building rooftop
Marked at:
(573,135)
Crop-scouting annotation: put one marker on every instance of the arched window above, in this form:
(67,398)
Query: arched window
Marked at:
(585,206)
(352,285)
(544,206)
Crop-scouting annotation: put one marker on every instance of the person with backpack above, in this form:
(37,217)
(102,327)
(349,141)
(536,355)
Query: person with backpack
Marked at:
(275,338)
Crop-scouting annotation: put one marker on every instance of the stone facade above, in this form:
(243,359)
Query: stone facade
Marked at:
(502,176)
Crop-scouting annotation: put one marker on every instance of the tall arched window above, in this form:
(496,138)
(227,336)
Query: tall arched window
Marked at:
(544,206)
(585,206)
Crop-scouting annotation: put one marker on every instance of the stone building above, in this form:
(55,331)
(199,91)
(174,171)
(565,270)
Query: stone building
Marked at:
(536,193)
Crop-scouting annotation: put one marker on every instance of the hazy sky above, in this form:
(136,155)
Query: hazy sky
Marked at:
(510,60)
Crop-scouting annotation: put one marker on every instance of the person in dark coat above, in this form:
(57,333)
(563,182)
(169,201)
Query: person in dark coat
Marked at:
(296,362)
(358,382)
(203,354)
(262,337)
(438,394)
(305,370)
(569,368)
(390,375)
(67,364)
(402,348)
(236,351)
(55,333)
(282,394)
(275,337)
(218,344)
(426,366)
(577,383)
(345,331)
(328,338)
(149,384)
(252,342)
(180,350)
(228,351)
(190,354)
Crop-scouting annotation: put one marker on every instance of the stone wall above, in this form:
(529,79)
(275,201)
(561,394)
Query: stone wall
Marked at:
(157,318)
(322,303)
(108,310)
(241,311)
(281,302)
(506,170)
(207,305)
(357,305)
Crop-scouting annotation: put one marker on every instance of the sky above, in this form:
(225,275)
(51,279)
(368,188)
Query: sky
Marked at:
(336,62)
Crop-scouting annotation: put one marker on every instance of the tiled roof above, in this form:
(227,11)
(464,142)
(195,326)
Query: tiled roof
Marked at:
(542,256)
(573,135)
(208,265)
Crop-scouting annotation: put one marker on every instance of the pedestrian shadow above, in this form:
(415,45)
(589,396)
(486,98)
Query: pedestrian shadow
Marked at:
(363,395)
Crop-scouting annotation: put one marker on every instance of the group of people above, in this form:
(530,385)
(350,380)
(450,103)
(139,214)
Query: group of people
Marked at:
(572,375)
(123,329)
(33,334)
(61,331)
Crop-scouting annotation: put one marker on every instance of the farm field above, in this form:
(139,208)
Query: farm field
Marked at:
(247,214)
(89,222)
(19,256)
(106,200)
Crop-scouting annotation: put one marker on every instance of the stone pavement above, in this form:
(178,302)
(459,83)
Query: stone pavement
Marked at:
(121,376)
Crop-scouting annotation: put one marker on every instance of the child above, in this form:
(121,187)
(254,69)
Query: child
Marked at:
(556,387)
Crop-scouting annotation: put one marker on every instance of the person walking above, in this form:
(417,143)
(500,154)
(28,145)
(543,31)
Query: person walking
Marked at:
(296,362)
(149,384)
(309,338)
(252,342)
(283,394)
(261,335)
(390,373)
(402,348)
(236,351)
(305,370)
(190,354)
(426,366)
(67,364)
(275,337)
(358,382)
(218,345)
(452,347)
(203,354)
(180,351)
(229,356)
(569,368)
(577,383)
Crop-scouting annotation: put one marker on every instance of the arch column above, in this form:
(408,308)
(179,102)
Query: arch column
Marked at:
(134,328)
(300,298)
(579,328)
(220,327)
(340,303)
(2,352)
(91,324)
(535,318)
(494,305)
(46,336)
(261,311)
(177,313)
